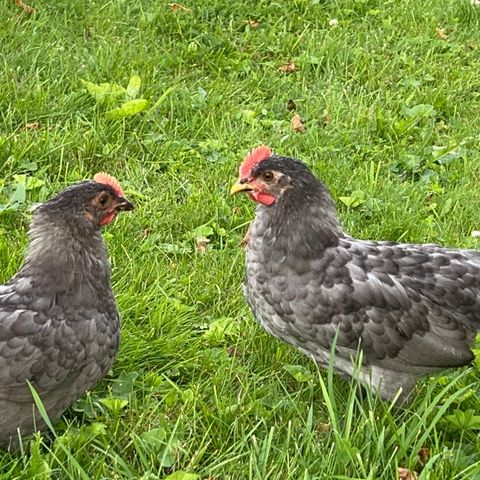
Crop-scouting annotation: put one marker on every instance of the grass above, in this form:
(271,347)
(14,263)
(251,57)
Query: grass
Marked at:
(391,116)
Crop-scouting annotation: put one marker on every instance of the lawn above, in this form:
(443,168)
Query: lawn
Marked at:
(388,93)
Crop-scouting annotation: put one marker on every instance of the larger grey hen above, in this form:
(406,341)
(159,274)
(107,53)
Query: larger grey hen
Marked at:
(410,309)
(59,325)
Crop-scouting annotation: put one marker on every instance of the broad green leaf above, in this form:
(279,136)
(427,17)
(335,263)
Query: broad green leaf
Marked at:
(38,467)
(115,405)
(444,156)
(29,182)
(155,437)
(299,373)
(221,329)
(248,114)
(103,91)
(182,476)
(19,195)
(133,86)
(464,420)
(128,109)
(447,207)
(355,199)
(123,385)
(421,110)
(201,231)
(180,248)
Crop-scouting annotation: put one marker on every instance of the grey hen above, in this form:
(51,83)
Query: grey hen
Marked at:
(59,325)
(411,309)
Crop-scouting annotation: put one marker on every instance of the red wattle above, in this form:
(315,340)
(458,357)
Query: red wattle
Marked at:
(263,198)
(107,218)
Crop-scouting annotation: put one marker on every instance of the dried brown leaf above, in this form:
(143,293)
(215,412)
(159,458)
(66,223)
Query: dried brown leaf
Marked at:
(233,352)
(289,67)
(325,118)
(291,105)
(323,427)
(424,454)
(253,23)
(32,126)
(202,243)
(297,124)
(26,8)
(176,7)
(441,33)
(406,474)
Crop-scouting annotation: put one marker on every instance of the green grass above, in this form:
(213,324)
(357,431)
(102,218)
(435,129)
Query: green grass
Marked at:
(391,115)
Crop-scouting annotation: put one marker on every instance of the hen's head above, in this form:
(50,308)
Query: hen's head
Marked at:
(93,203)
(269,178)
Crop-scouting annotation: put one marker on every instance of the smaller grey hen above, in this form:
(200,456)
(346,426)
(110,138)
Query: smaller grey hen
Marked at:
(410,309)
(59,324)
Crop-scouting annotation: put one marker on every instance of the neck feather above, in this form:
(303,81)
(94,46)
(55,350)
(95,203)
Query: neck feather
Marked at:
(65,258)
(302,226)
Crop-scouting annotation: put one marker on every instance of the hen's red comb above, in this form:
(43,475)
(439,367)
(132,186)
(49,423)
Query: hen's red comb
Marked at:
(253,158)
(107,179)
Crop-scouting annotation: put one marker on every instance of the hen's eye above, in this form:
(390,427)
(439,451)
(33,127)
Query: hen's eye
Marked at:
(267,176)
(104,200)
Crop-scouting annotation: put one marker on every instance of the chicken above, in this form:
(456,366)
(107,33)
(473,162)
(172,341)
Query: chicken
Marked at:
(59,325)
(410,309)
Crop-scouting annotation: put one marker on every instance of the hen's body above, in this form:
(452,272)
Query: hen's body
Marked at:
(411,309)
(59,325)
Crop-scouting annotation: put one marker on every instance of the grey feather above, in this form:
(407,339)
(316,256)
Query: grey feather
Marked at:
(411,309)
(59,324)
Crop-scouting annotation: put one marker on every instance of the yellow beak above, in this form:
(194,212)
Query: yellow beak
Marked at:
(240,187)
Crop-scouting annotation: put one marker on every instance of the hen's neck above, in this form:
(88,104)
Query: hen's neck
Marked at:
(65,256)
(298,228)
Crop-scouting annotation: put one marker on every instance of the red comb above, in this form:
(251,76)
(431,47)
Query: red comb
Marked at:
(107,179)
(253,158)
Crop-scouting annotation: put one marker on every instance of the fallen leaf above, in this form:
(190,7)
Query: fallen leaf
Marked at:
(289,67)
(323,427)
(441,33)
(32,126)
(424,454)
(297,124)
(175,7)
(233,352)
(406,474)
(146,232)
(202,243)
(325,118)
(253,23)
(26,8)
(333,22)
(291,105)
